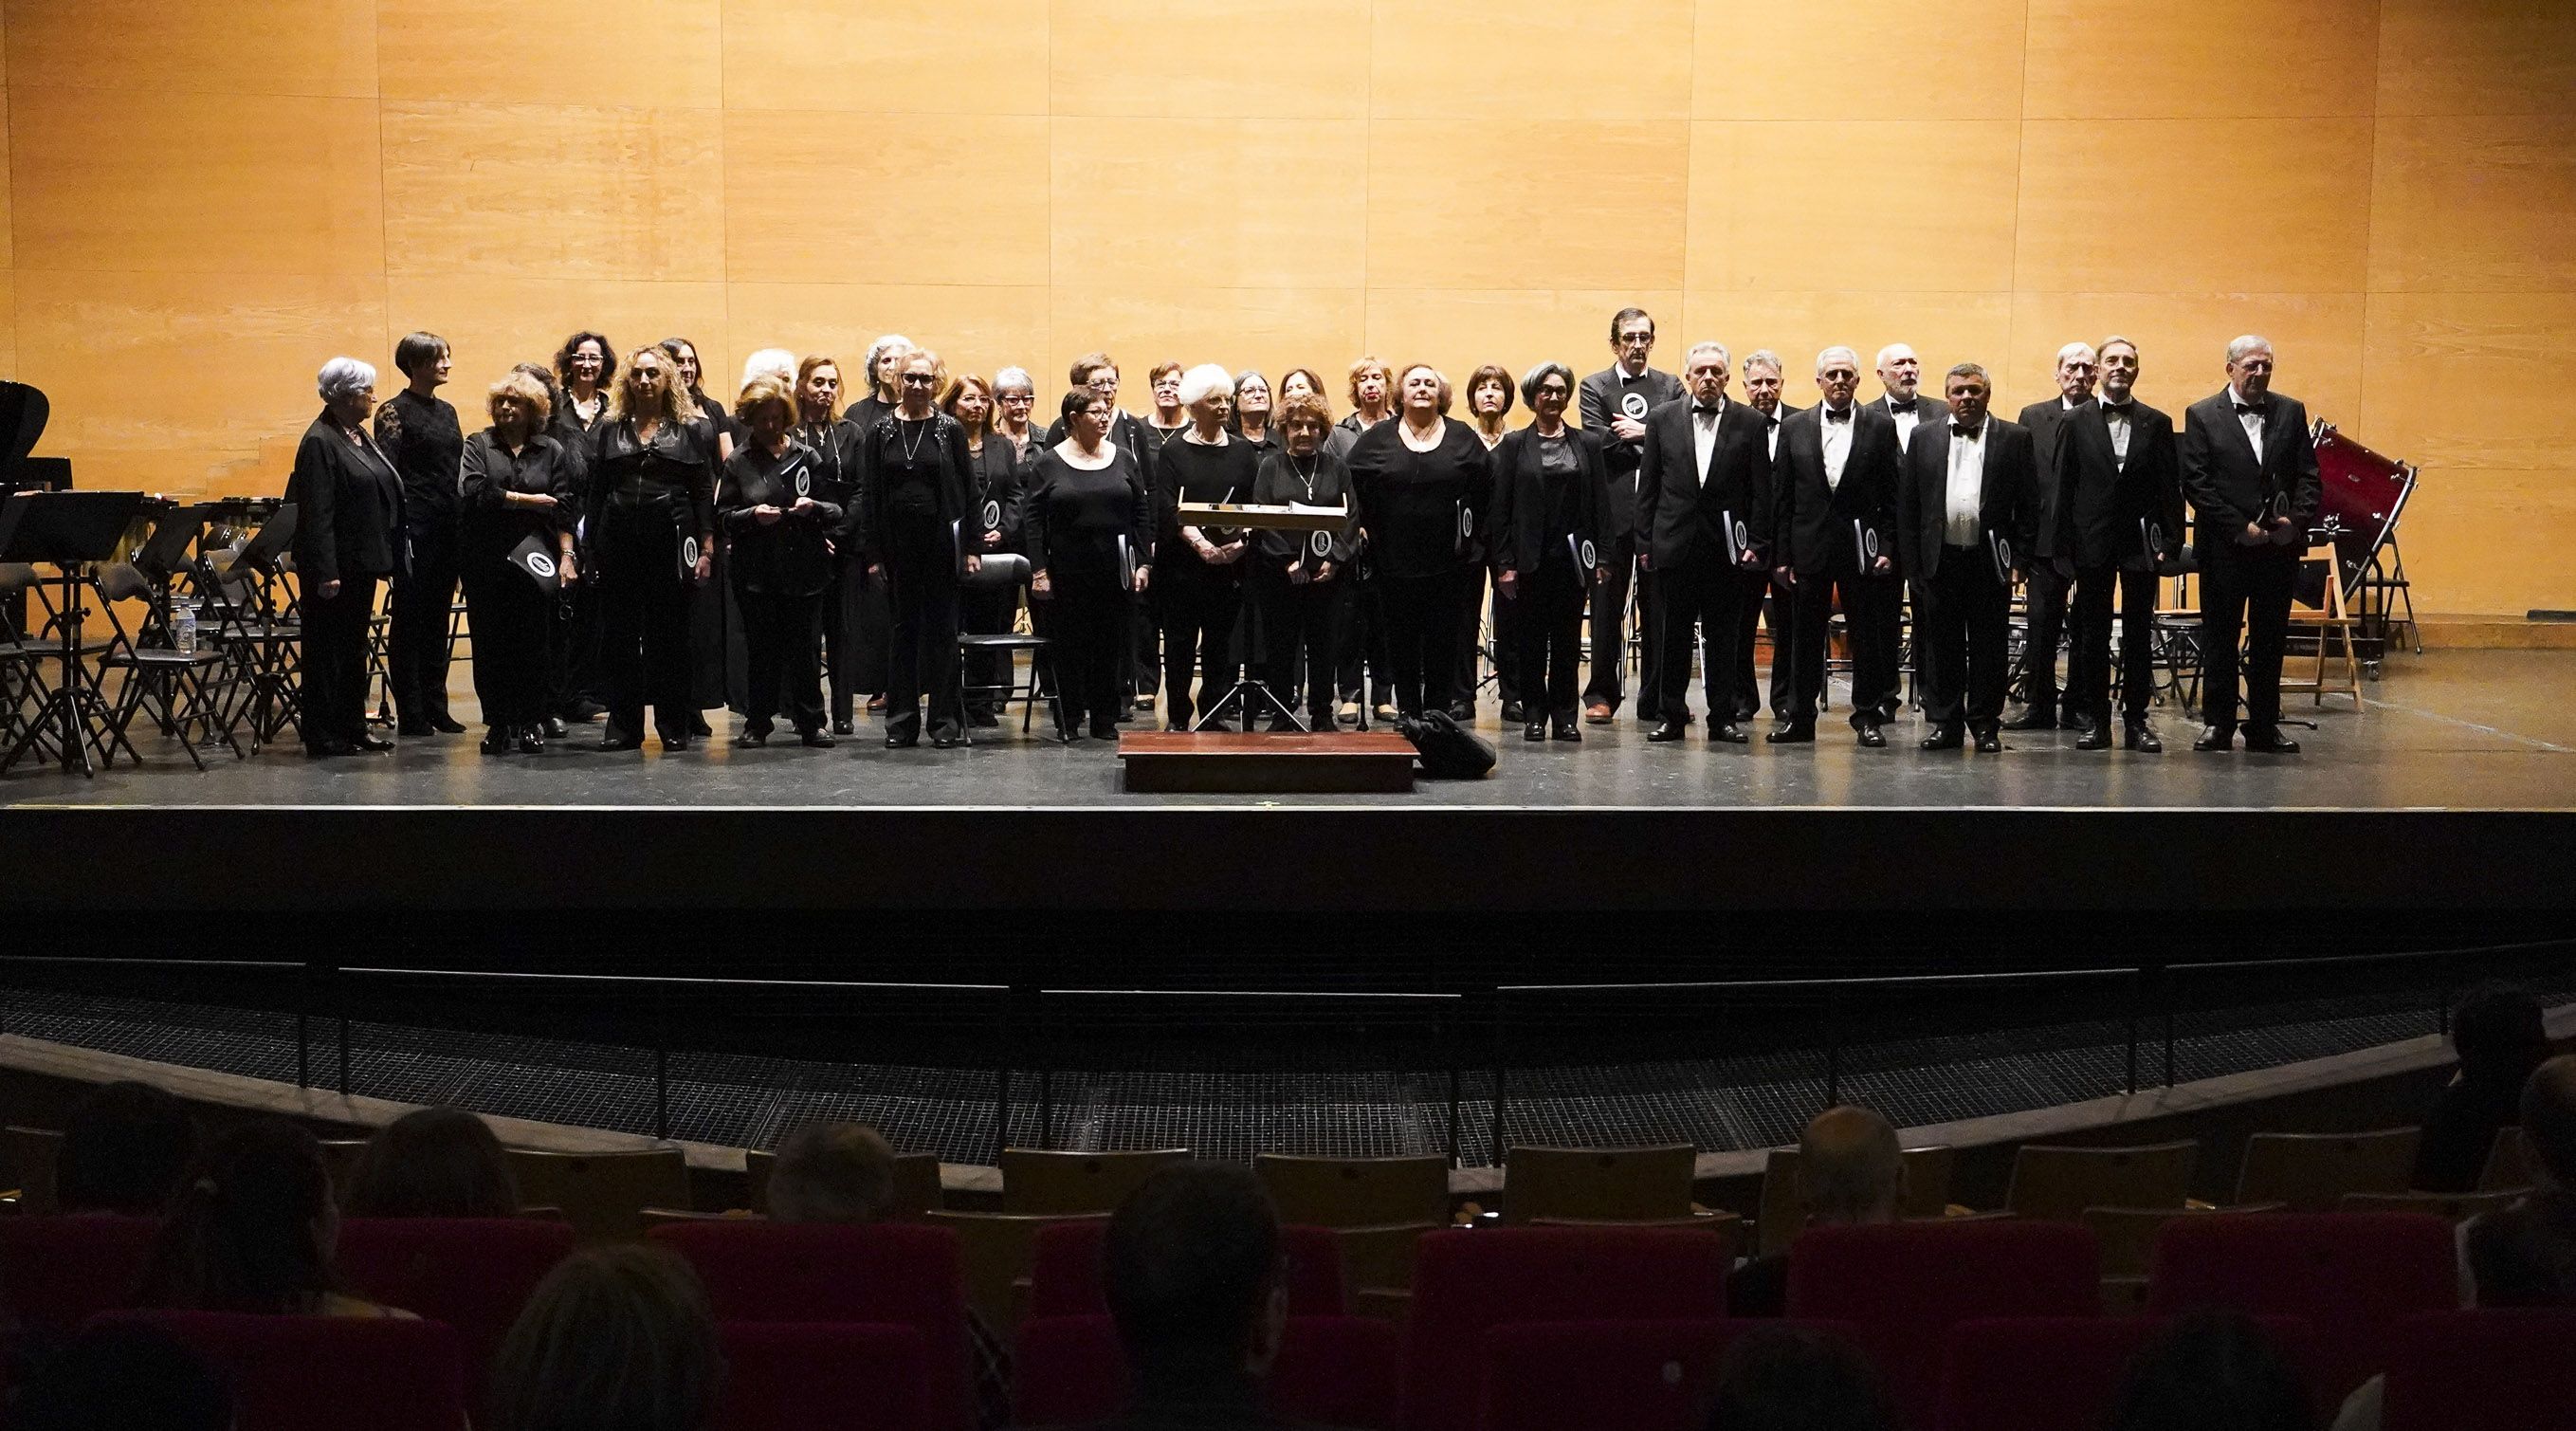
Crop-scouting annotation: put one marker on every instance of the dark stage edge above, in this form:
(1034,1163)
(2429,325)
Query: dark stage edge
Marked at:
(2450,792)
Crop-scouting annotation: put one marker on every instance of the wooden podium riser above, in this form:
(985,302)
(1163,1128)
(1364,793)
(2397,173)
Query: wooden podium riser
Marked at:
(1248,763)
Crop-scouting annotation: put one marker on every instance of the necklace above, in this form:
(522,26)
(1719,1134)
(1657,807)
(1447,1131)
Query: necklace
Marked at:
(1307,477)
(919,427)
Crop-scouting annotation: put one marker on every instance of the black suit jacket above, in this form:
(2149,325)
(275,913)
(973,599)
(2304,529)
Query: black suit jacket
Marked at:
(2007,503)
(2092,511)
(1811,523)
(1603,397)
(348,508)
(2047,423)
(1519,520)
(2228,484)
(1679,507)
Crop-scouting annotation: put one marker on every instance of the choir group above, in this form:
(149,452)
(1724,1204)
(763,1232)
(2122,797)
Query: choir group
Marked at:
(623,541)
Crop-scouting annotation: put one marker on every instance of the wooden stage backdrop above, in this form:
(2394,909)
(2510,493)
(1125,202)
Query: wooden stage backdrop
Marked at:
(208,197)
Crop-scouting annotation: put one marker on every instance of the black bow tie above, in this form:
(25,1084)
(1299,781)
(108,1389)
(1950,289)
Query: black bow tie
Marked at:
(2122,408)
(1699,411)
(1906,406)
(2255,408)
(1957,431)
(1772,420)
(1843,416)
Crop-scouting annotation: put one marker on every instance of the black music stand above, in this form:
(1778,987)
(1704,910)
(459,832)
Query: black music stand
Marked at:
(69,531)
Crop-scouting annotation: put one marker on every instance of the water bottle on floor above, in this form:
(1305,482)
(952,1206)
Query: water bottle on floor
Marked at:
(183,627)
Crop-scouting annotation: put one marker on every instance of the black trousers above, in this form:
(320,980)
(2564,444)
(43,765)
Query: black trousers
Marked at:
(841,623)
(1707,593)
(1144,669)
(644,620)
(1199,605)
(1471,630)
(1608,684)
(1505,617)
(779,648)
(1300,618)
(1085,622)
(579,678)
(2088,663)
(1869,603)
(1962,629)
(514,623)
(416,645)
(1422,637)
(1362,645)
(988,611)
(2244,589)
(334,684)
(1757,603)
(1551,634)
(2044,590)
(921,581)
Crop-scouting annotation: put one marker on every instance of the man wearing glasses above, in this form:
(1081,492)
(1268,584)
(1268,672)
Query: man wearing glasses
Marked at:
(1615,402)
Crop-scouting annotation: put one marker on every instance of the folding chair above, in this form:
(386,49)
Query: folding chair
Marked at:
(2333,625)
(259,630)
(159,677)
(995,571)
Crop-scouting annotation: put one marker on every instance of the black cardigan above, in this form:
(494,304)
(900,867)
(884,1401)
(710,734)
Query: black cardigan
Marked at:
(788,557)
(493,527)
(348,508)
(1416,501)
(1521,540)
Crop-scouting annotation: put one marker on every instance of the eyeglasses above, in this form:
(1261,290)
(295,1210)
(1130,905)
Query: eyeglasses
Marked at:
(924,379)
(1631,339)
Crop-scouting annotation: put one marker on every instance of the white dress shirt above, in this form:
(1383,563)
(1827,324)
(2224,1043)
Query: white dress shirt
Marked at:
(2118,423)
(2253,424)
(1771,438)
(1837,442)
(1964,506)
(1704,435)
(1906,422)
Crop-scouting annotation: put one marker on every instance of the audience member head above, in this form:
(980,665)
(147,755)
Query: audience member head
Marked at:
(124,1149)
(2212,1371)
(2525,1255)
(614,1339)
(1192,1264)
(831,1172)
(1850,1168)
(252,1228)
(122,1376)
(433,1162)
(2549,1122)
(1782,1378)
(2498,1034)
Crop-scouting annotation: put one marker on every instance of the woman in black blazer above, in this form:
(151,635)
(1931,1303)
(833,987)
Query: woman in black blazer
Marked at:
(585,367)
(1551,490)
(348,536)
(516,485)
(991,528)
(651,475)
(914,474)
(781,529)
(1087,517)
(1423,482)
(834,441)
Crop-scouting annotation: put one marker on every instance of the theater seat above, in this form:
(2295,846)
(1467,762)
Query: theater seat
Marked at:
(1468,1282)
(474,1274)
(1906,1285)
(56,1272)
(1614,1376)
(1331,1371)
(329,1373)
(2050,1373)
(2482,1371)
(822,1376)
(1066,1278)
(2352,1276)
(899,1273)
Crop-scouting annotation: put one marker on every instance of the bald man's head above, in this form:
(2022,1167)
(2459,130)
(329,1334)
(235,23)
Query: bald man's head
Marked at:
(1850,1168)
(2549,1118)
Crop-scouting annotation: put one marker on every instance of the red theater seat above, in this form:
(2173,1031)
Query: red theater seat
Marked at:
(329,1373)
(2351,1276)
(2050,1373)
(822,1376)
(474,1274)
(1334,1371)
(56,1272)
(1469,1281)
(898,1273)
(1066,1279)
(2482,1371)
(1607,1376)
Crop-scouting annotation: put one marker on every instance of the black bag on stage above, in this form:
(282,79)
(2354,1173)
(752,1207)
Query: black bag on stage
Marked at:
(1446,749)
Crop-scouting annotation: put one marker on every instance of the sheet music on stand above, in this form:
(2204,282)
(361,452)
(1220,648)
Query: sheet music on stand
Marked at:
(69,531)
(1251,690)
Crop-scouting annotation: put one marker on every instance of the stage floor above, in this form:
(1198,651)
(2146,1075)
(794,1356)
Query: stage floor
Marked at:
(2450,786)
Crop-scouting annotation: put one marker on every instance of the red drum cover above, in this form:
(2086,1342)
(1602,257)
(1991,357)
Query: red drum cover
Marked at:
(2364,495)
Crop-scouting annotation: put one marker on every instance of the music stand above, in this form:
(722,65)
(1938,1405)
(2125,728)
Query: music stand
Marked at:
(1251,689)
(69,531)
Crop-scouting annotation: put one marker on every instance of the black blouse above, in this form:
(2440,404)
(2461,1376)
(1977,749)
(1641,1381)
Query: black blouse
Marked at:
(1199,472)
(422,438)
(1072,518)
(1420,503)
(677,467)
(493,526)
(1317,481)
(348,508)
(911,474)
(1545,491)
(791,556)
(1000,474)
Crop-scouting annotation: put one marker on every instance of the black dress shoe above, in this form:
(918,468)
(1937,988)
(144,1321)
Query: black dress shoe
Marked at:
(372,744)
(2269,742)
(446,724)
(497,740)
(842,727)
(531,741)
(907,742)
(1104,730)
(944,739)
(614,743)
(1745,711)
(750,739)
(2138,735)
(1565,729)
(1870,735)
(675,744)
(816,739)
(1534,730)
(1669,730)
(2214,738)
(2096,736)
(1990,741)
(1796,732)
(1512,713)
(553,728)
(2034,718)
(1727,732)
(1945,736)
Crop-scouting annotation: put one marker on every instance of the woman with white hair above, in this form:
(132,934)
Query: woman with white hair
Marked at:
(651,475)
(516,488)
(1015,400)
(914,477)
(348,536)
(1423,482)
(1551,499)
(1200,569)
(885,365)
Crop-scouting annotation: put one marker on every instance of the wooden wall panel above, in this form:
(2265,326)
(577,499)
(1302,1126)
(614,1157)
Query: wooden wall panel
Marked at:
(974,328)
(1253,203)
(1869,205)
(664,54)
(2479,203)
(910,213)
(2201,59)
(8,229)
(1243,59)
(1596,204)
(1460,330)
(492,321)
(1865,59)
(2457,379)
(553,191)
(275,47)
(2492,541)
(1524,60)
(9,330)
(194,183)
(963,57)
(2168,205)
(1269,329)
(2182,343)
(2477,57)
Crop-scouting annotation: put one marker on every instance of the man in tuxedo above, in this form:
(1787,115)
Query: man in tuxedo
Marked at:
(1762,389)
(1615,402)
(1965,507)
(2114,517)
(2250,469)
(2049,580)
(1833,488)
(1900,378)
(1703,494)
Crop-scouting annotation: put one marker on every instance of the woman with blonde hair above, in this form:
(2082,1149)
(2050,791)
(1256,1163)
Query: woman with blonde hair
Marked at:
(1201,590)
(651,500)
(1372,391)
(517,491)
(834,441)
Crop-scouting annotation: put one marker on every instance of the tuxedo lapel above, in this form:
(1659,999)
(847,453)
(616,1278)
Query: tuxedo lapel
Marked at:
(2236,427)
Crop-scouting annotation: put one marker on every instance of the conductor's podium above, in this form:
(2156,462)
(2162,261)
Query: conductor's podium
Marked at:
(1246,763)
